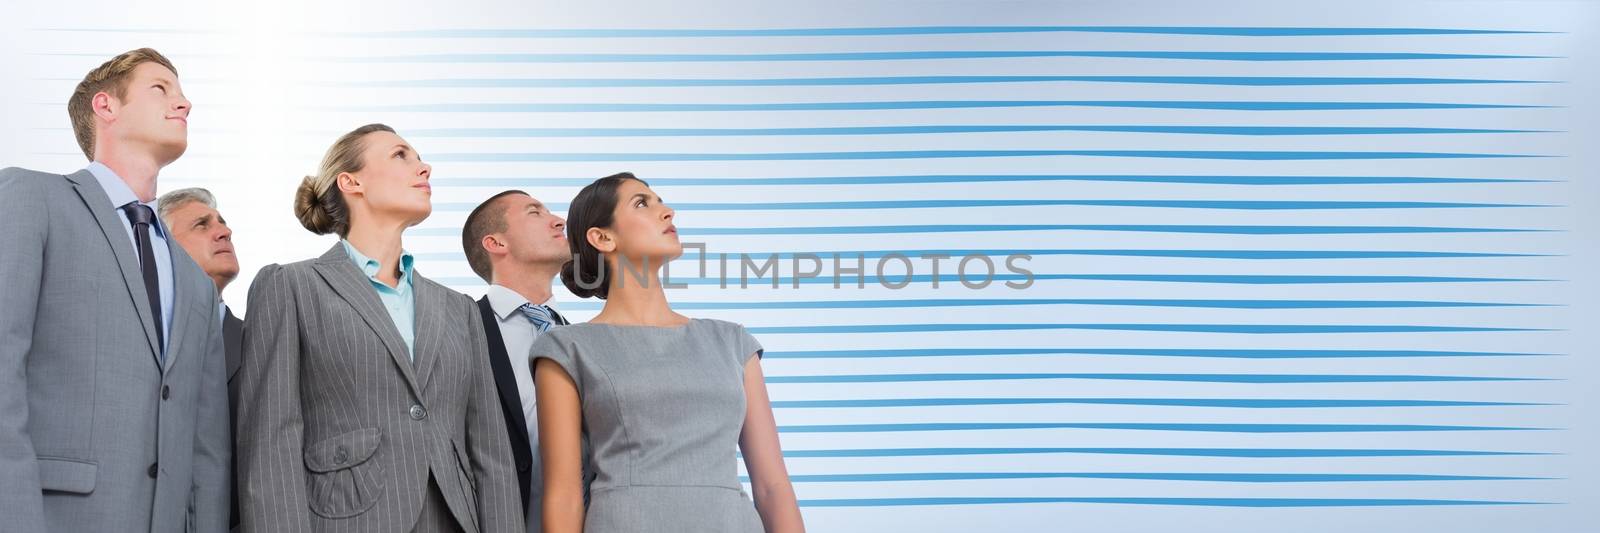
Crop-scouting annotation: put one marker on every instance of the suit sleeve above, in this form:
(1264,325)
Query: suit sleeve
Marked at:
(499,497)
(21,270)
(272,482)
(213,439)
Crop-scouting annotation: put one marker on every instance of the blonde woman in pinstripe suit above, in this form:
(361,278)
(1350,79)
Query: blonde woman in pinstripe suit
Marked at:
(365,405)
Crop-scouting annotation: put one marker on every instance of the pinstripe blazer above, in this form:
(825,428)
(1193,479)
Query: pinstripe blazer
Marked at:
(339,430)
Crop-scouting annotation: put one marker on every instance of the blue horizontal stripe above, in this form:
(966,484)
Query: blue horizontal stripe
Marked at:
(1151,228)
(1194,378)
(1282,280)
(910,55)
(1191,254)
(594,33)
(1278,254)
(1235,155)
(892,280)
(1235,81)
(1253,329)
(1254,205)
(1242,403)
(1141,426)
(782,281)
(961,228)
(973,302)
(1223,477)
(922,179)
(935,129)
(1267,453)
(1201,254)
(1201,502)
(600,107)
(1154,352)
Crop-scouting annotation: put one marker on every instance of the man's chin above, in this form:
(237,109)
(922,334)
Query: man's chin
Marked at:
(227,272)
(172,151)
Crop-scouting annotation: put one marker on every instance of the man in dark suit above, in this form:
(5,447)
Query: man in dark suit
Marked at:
(191,216)
(112,393)
(517,245)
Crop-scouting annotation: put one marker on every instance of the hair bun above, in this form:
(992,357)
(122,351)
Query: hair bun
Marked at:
(308,208)
(575,282)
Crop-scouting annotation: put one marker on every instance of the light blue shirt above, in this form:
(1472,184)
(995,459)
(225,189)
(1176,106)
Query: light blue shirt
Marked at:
(399,300)
(120,195)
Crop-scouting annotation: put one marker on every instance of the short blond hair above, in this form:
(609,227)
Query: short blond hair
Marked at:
(110,77)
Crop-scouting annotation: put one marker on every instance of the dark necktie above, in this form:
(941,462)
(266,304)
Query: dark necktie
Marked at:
(142,217)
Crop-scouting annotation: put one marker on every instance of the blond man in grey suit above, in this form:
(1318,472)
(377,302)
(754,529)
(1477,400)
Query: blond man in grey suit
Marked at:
(113,401)
(364,401)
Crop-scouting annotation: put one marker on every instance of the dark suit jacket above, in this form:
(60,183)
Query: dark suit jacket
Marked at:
(510,396)
(232,341)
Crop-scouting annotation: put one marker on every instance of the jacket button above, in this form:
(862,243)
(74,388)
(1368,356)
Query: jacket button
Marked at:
(418,413)
(153,468)
(166,391)
(340,456)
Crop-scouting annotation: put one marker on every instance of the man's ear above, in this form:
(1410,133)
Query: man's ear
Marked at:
(103,105)
(493,244)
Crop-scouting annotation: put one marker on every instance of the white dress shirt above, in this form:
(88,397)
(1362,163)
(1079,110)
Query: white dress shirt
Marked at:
(519,333)
(120,194)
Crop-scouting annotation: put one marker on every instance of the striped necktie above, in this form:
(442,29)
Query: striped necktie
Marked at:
(539,315)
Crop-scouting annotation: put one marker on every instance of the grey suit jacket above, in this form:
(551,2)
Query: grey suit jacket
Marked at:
(339,430)
(96,432)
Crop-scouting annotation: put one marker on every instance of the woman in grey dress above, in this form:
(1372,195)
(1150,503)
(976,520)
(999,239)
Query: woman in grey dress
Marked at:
(662,398)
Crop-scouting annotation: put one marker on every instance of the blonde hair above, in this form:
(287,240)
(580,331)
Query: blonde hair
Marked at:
(110,77)
(318,203)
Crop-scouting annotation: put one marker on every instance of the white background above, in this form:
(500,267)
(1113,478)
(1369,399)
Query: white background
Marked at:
(274,84)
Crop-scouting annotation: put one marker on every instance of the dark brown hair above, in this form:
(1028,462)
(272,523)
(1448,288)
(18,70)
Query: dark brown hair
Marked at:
(488,217)
(594,207)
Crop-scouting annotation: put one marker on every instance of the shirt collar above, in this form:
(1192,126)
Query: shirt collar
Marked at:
(119,192)
(505,301)
(370,266)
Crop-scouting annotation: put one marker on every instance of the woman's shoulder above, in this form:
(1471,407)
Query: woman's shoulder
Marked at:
(720,327)
(297,268)
(453,296)
(282,275)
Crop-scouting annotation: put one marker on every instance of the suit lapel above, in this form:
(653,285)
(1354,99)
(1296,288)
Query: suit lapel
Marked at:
(180,261)
(232,340)
(94,197)
(348,282)
(429,300)
(505,379)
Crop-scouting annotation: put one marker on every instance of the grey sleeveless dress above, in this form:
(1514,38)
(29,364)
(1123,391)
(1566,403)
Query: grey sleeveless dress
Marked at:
(662,409)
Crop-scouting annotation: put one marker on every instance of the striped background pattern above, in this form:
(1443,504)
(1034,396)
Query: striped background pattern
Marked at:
(1275,274)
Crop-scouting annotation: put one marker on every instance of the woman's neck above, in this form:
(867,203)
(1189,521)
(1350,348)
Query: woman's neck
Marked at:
(380,242)
(632,301)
